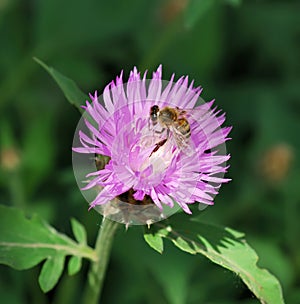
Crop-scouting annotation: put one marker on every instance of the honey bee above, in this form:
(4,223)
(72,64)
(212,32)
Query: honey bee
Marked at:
(175,122)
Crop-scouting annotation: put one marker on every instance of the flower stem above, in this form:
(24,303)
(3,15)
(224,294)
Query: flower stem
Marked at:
(98,268)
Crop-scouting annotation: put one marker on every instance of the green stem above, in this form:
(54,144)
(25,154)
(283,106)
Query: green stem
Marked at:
(98,268)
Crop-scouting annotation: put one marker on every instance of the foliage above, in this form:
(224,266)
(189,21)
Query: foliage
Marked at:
(223,246)
(68,86)
(28,242)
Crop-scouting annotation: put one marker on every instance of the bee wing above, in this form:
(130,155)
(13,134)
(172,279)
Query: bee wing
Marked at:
(196,113)
(157,129)
(182,142)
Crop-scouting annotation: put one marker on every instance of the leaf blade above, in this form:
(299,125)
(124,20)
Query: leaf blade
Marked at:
(225,247)
(70,89)
(74,265)
(79,231)
(155,242)
(26,242)
(51,272)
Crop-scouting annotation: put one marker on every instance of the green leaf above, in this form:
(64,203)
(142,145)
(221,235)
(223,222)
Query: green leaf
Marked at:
(223,246)
(25,243)
(71,91)
(74,265)
(51,272)
(195,10)
(79,232)
(183,245)
(154,241)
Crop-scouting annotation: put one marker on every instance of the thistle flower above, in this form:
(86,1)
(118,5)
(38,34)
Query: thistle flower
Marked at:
(152,161)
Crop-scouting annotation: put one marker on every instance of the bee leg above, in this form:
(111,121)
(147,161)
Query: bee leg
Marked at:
(150,124)
(168,133)
(161,131)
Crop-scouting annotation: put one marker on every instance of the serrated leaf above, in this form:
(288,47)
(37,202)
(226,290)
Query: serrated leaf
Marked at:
(225,247)
(71,91)
(74,265)
(51,272)
(195,10)
(79,232)
(25,243)
(154,241)
(183,245)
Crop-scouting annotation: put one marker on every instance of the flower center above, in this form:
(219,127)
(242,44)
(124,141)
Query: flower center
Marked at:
(157,153)
(127,197)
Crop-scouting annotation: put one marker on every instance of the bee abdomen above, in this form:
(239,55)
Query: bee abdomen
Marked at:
(183,126)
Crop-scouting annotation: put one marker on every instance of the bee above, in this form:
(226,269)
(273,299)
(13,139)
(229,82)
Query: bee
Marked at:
(175,122)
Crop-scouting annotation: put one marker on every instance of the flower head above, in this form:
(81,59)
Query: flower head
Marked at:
(164,147)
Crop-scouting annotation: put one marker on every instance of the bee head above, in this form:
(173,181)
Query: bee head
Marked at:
(154,112)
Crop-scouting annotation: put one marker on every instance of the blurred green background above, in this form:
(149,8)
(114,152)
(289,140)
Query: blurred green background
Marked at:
(246,54)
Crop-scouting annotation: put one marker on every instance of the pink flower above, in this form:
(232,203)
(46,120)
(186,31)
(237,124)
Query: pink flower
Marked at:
(152,161)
